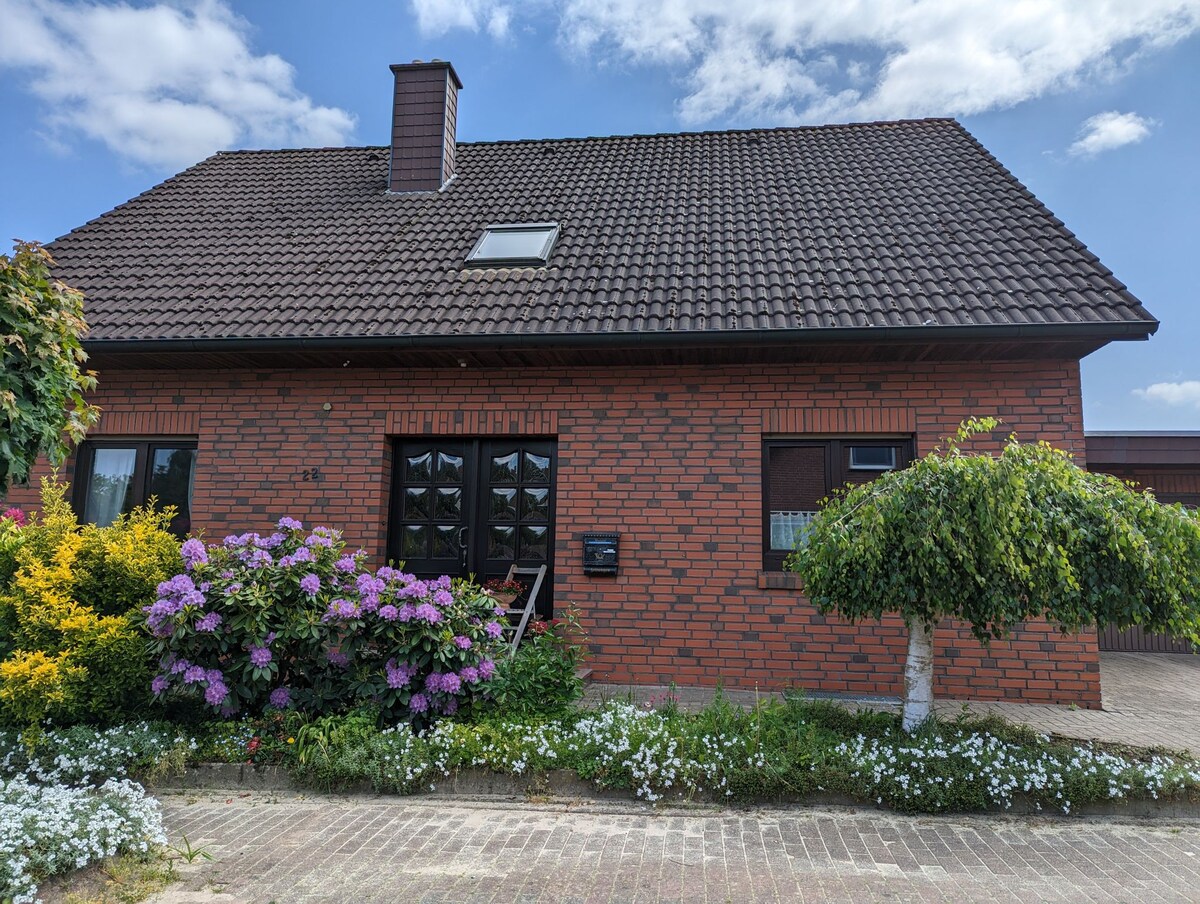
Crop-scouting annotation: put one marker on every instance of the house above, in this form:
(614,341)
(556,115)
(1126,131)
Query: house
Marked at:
(466,355)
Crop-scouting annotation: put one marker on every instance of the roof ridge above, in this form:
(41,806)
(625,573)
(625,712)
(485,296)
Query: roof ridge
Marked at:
(833,126)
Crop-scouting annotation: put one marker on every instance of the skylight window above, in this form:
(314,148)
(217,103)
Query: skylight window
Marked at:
(514,245)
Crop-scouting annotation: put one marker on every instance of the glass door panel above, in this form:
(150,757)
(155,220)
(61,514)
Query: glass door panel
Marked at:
(474,507)
(430,519)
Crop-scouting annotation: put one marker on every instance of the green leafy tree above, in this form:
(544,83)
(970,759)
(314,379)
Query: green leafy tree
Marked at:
(42,383)
(997,540)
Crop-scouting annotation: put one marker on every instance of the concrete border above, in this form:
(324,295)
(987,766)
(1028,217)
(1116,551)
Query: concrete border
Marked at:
(565,784)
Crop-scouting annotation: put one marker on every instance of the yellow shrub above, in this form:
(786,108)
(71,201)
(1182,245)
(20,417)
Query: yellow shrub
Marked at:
(34,686)
(70,620)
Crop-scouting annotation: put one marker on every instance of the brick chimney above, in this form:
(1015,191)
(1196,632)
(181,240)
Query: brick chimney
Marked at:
(423,119)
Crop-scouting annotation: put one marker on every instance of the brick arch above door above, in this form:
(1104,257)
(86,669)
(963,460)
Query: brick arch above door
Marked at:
(472,422)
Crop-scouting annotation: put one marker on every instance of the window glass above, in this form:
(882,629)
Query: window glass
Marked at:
(172,474)
(800,473)
(527,244)
(875,458)
(110,485)
(798,483)
(115,477)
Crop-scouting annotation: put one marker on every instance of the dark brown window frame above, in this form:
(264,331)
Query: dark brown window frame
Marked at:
(836,472)
(144,448)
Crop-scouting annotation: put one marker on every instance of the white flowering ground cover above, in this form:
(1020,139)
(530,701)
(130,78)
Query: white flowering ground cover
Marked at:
(49,829)
(65,800)
(777,749)
(70,798)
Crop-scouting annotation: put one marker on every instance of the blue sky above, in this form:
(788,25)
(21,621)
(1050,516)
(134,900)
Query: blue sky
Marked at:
(1092,103)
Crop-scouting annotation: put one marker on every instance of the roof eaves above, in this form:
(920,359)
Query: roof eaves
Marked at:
(1120,331)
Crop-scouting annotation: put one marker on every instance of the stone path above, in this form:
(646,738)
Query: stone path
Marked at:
(386,850)
(1150,699)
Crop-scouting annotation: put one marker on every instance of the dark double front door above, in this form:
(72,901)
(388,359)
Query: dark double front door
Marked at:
(474,507)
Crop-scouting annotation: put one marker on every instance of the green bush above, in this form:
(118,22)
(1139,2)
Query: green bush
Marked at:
(71,641)
(543,676)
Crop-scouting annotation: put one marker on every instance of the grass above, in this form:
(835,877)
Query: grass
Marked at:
(125,879)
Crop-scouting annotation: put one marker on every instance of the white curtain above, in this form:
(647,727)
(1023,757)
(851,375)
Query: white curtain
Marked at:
(789,528)
(108,488)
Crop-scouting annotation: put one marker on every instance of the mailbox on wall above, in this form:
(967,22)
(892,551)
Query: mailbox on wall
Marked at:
(600,553)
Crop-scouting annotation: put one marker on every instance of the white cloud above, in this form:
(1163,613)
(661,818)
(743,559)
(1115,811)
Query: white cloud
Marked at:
(162,85)
(436,17)
(805,61)
(1106,131)
(1183,393)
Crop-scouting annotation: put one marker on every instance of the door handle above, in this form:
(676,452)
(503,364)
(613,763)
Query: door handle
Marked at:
(462,548)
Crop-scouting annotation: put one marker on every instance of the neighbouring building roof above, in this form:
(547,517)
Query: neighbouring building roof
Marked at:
(1152,448)
(899,229)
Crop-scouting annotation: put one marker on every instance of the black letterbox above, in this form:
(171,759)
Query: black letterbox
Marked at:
(599,553)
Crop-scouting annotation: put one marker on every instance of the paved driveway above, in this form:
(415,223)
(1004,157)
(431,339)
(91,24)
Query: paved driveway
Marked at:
(1149,699)
(429,850)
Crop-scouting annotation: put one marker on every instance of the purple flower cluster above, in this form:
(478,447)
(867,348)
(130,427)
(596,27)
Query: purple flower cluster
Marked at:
(194,553)
(260,657)
(346,633)
(398,675)
(281,697)
(186,673)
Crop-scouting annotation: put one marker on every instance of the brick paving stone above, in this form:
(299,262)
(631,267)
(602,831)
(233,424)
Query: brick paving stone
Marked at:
(371,849)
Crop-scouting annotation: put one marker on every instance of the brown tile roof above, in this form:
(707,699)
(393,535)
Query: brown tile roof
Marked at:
(905,224)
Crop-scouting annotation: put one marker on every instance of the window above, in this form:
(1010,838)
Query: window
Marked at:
(114,476)
(514,245)
(799,473)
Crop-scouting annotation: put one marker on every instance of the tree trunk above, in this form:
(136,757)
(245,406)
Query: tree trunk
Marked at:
(918,675)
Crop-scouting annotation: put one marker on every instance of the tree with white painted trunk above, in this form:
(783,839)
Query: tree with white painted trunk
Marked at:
(996,540)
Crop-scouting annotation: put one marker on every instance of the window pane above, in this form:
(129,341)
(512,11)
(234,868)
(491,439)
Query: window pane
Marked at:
(798,481)
(449,502)
(172,473)
(535,504)
(501,243)
(414,544)
(501,542)
(417,503)
(445,541)
(110,485)
(788,529)
(449,468)
(418,468)
(876,458)
(503,504)
(534,543)
(536,468)
(504,468)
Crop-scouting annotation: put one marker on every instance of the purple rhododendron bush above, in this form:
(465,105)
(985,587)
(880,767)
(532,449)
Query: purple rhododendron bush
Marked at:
(294,620)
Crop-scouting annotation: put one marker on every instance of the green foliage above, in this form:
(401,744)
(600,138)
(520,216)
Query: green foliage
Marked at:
(71,646)
(777,748)
(42,409)
(543,676)
(996,540)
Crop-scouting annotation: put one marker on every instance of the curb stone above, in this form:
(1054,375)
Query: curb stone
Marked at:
(563,783)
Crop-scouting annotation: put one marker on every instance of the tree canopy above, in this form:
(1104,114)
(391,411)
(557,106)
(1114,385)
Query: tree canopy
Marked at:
(42,383)
(997,540)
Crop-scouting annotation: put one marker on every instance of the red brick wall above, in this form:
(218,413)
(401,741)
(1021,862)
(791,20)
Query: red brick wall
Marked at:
(669,457)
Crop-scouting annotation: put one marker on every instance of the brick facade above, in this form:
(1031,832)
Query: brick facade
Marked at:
(669,456)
